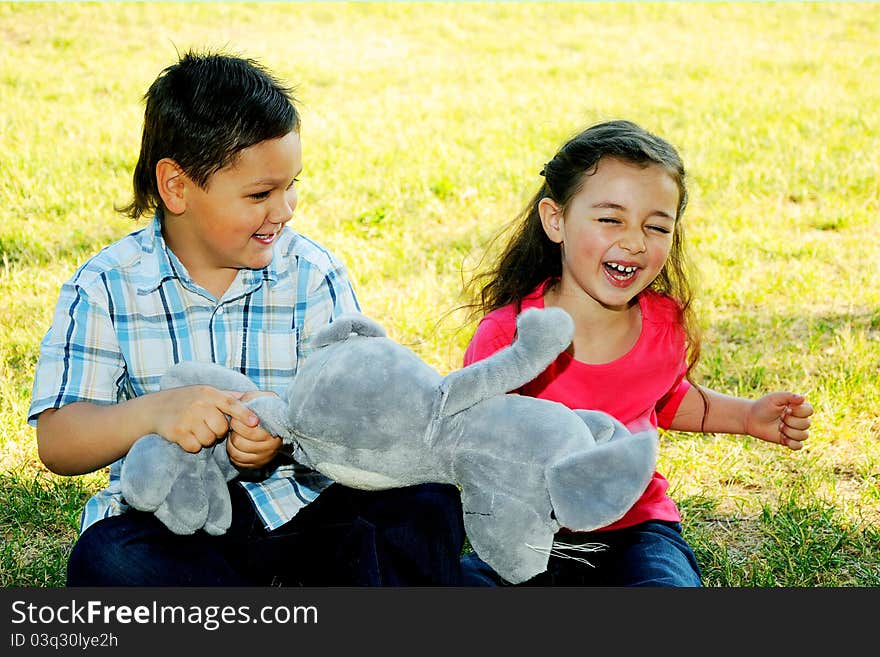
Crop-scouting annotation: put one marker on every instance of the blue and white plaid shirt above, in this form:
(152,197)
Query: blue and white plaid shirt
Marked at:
(132,311)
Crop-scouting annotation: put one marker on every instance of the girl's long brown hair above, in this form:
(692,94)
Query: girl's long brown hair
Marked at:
(529,257)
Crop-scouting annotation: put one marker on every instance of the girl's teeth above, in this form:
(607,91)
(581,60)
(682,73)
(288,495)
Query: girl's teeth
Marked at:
(620,268)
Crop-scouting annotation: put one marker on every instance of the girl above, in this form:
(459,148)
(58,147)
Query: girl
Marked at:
(603,239)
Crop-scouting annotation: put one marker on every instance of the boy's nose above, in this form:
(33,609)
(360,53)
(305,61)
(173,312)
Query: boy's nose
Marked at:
(283,212)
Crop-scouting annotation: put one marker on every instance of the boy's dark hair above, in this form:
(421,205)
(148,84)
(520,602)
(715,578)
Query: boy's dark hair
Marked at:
(201,112)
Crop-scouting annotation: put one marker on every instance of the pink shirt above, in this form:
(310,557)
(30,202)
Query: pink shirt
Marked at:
(644,387)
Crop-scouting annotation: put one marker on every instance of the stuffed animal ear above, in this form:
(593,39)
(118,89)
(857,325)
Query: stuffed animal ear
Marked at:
(595,487)
(343,327)
(603,426)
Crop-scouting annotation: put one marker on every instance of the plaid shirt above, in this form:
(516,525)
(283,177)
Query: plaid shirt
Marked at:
(132,311)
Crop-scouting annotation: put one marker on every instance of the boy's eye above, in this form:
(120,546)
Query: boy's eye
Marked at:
(608,220)
(663,230)
(262,196)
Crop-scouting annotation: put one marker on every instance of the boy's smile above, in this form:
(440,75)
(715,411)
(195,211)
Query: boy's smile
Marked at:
(233,221)
(265,238)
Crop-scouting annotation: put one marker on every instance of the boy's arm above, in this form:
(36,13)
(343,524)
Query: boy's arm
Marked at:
(778,417)
(82,437)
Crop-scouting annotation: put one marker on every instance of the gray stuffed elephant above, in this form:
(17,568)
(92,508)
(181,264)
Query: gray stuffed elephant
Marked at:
(370,414)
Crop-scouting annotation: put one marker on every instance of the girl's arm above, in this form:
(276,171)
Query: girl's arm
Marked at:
(82,437)
(779,417)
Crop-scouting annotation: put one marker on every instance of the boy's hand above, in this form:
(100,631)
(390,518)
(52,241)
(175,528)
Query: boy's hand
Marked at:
(780,417)
(197,416)
(251,446)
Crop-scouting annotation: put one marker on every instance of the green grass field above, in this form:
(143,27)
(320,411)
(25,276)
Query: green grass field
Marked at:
(424,128)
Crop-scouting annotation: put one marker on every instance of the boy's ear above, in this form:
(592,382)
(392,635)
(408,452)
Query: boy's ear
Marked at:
(552,219)
(171,182)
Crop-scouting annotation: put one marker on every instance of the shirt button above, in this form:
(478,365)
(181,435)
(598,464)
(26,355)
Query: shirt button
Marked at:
(219,310)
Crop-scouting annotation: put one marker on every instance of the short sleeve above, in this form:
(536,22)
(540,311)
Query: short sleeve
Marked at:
(80,357)
(668,404)
(491,335)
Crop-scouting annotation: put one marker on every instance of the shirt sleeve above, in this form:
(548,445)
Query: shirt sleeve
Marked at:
(490,336)
(330,294)
(80,357)
(668,404)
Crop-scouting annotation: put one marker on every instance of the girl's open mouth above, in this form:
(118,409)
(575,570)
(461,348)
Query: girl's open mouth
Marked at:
(620,275)
(621,272)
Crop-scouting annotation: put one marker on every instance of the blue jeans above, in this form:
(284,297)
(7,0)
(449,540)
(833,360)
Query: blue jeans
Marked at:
(401,537)
(652,553)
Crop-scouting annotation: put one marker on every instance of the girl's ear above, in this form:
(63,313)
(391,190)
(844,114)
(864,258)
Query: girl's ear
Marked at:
(552,219)
(171,181)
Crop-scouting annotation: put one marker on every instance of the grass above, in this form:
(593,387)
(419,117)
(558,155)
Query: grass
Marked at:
(424,128)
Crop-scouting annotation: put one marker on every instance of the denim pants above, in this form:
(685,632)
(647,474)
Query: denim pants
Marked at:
(401,537)
(652,553)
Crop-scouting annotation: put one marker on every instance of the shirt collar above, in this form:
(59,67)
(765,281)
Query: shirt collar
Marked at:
(156,266)
(160,264)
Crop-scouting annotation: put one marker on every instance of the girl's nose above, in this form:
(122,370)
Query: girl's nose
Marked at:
(633,241)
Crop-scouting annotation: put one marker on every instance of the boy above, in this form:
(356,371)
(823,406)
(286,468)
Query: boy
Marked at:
(217,276)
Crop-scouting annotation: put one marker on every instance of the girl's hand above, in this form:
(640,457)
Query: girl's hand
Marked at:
(251,446)
(780,417)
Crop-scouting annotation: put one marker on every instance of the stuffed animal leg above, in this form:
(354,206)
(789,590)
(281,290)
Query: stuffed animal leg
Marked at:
(541,336)
(186,491)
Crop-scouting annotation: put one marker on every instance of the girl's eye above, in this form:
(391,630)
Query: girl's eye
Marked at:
(293,182)
(608,220)
(660,229)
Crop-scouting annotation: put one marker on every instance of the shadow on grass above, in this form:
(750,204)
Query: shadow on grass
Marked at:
(39,518)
